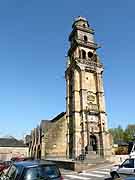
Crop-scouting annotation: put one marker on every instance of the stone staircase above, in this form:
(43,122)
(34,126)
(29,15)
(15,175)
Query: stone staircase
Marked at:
(91,155)
(93,158)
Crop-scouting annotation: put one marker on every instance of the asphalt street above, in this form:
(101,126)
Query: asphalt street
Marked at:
(102,173)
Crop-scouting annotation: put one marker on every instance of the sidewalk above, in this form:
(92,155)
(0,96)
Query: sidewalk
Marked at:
(66,171)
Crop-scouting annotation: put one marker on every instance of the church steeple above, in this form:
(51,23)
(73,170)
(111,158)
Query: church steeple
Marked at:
(82,42)
(82,31)
(86,114)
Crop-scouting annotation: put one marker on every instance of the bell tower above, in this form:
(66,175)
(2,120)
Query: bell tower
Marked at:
(87,131)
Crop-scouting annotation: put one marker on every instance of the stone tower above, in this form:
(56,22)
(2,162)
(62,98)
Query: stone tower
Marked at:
(87,131)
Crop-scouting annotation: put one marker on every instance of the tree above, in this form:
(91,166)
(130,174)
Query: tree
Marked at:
(130,132)
(119,134)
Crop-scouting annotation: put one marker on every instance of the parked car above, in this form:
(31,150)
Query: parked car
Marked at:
(7,164)
(131,149)
(4,165)
(16,159)
(125,170)
(1,166)
(33,170)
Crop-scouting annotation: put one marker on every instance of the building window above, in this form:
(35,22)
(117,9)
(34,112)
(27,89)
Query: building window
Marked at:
(83,54)
(85,38)
(90,54)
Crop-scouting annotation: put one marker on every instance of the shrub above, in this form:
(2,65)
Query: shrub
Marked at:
(121,151)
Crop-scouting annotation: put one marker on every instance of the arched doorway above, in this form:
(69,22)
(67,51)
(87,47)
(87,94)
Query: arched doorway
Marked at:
(93,142)
(39,153)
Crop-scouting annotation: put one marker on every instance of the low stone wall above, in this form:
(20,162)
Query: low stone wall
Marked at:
(83,165)
(77,166)
(6,153)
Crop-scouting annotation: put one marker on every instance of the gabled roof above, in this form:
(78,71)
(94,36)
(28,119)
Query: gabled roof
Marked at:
(11,142)
(58,117)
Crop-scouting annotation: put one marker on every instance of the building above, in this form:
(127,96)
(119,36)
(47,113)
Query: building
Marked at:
(82,131)
(11,147)
(48,140)
(85,102)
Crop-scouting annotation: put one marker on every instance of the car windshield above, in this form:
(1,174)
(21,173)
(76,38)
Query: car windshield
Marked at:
(41,172)
(128,163)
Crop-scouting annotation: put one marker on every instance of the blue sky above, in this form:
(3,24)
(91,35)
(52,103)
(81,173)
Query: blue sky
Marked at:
(33,46)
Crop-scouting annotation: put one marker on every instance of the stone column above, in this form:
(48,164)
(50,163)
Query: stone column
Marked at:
(102,115)
(67,116)
(83,108)
(76,114)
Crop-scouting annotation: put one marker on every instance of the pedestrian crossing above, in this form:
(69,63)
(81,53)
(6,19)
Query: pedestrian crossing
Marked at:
(100,172)
(76,177)
(89,175)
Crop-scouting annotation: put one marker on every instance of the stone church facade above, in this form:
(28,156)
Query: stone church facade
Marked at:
(84,130)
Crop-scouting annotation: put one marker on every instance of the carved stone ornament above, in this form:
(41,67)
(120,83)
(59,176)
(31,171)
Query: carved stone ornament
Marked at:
(93,119)
(90,97)
(91,64)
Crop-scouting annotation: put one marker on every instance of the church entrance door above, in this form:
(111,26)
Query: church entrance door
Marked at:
(93,142)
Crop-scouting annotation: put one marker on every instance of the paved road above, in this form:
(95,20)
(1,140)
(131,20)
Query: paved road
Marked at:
(102,173)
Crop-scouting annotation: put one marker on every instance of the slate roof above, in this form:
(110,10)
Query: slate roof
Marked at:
(58,117)
(11,142)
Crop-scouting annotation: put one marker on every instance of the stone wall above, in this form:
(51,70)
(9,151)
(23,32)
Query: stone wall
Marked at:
(6,153)
(55,139)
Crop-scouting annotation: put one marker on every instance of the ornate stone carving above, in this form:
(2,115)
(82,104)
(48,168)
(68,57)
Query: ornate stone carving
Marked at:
(90,97)
(92,118)
(88,62)
(92,107)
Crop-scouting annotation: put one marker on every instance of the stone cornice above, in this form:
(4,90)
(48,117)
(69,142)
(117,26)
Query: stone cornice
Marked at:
(101,92)
(79,42)
(75,111)
(83,43)
(90,63)
(86,29)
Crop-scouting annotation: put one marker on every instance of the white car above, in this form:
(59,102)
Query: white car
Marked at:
(126,169)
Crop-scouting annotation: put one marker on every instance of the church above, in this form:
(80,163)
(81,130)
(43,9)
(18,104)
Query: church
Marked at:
(82,131)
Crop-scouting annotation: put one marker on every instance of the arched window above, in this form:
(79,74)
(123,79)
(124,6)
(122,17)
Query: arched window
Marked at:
(90,54)
(83,54)
(85,38)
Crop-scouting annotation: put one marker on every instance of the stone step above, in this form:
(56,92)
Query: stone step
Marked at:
(99,160)
(92,155)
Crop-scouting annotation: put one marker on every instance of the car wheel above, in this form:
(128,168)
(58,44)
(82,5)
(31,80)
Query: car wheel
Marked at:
(115,176)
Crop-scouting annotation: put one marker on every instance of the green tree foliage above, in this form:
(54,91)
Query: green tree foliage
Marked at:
(125,135)
(130,132)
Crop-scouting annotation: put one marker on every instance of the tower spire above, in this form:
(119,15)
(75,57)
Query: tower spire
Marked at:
(86,114)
